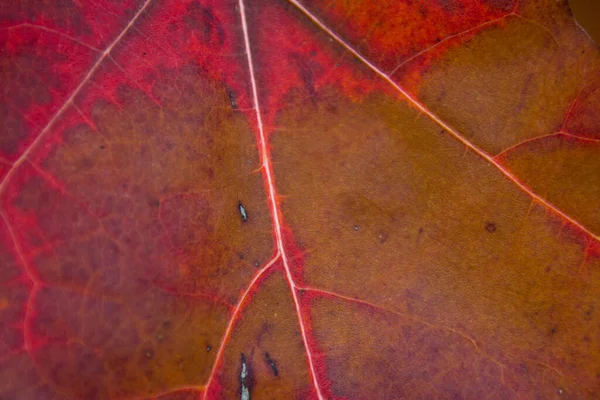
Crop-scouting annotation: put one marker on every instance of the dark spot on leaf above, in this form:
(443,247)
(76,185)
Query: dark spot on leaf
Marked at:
(490,227)
(232,99)
(102,147)
(208,348)
(154,202)
(443,131)
(272,364)
(144,53)
(301,291)
(553,330)
(355,227)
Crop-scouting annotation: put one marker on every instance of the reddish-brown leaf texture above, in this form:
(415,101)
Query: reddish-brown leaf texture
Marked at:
(298,199)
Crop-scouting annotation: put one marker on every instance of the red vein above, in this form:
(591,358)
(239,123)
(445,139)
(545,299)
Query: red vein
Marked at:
(453,132)
(413,317)
(50,30)
(533,139)
(268,173)
(447,38)
(36,284)
(69,101)
(233,320)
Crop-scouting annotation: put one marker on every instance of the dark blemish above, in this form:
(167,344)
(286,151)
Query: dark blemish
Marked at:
(438,40)
(232,99)
(490,227)
(553,331)
(582,51)
(355,227)
(201,19)
(443,131)
(243,212)
(306,75)
(154,203)
(208,348)
(421,230)
(301,291)
(144,53)
(102,147)
(241,256)
(149,354)
(548,269)
(271,364)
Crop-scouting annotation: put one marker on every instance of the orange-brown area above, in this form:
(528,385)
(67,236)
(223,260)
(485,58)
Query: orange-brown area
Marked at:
(132,227)
(185,394)
(511,83)
(390,209)
(372,352)
(267,339)
(565,171)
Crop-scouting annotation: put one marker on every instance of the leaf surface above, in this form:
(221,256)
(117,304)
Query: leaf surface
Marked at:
(285,199)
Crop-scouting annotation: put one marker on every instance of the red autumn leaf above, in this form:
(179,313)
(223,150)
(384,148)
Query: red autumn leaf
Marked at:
(304,199)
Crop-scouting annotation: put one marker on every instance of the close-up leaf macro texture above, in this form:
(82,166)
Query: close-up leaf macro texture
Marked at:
(299,199)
